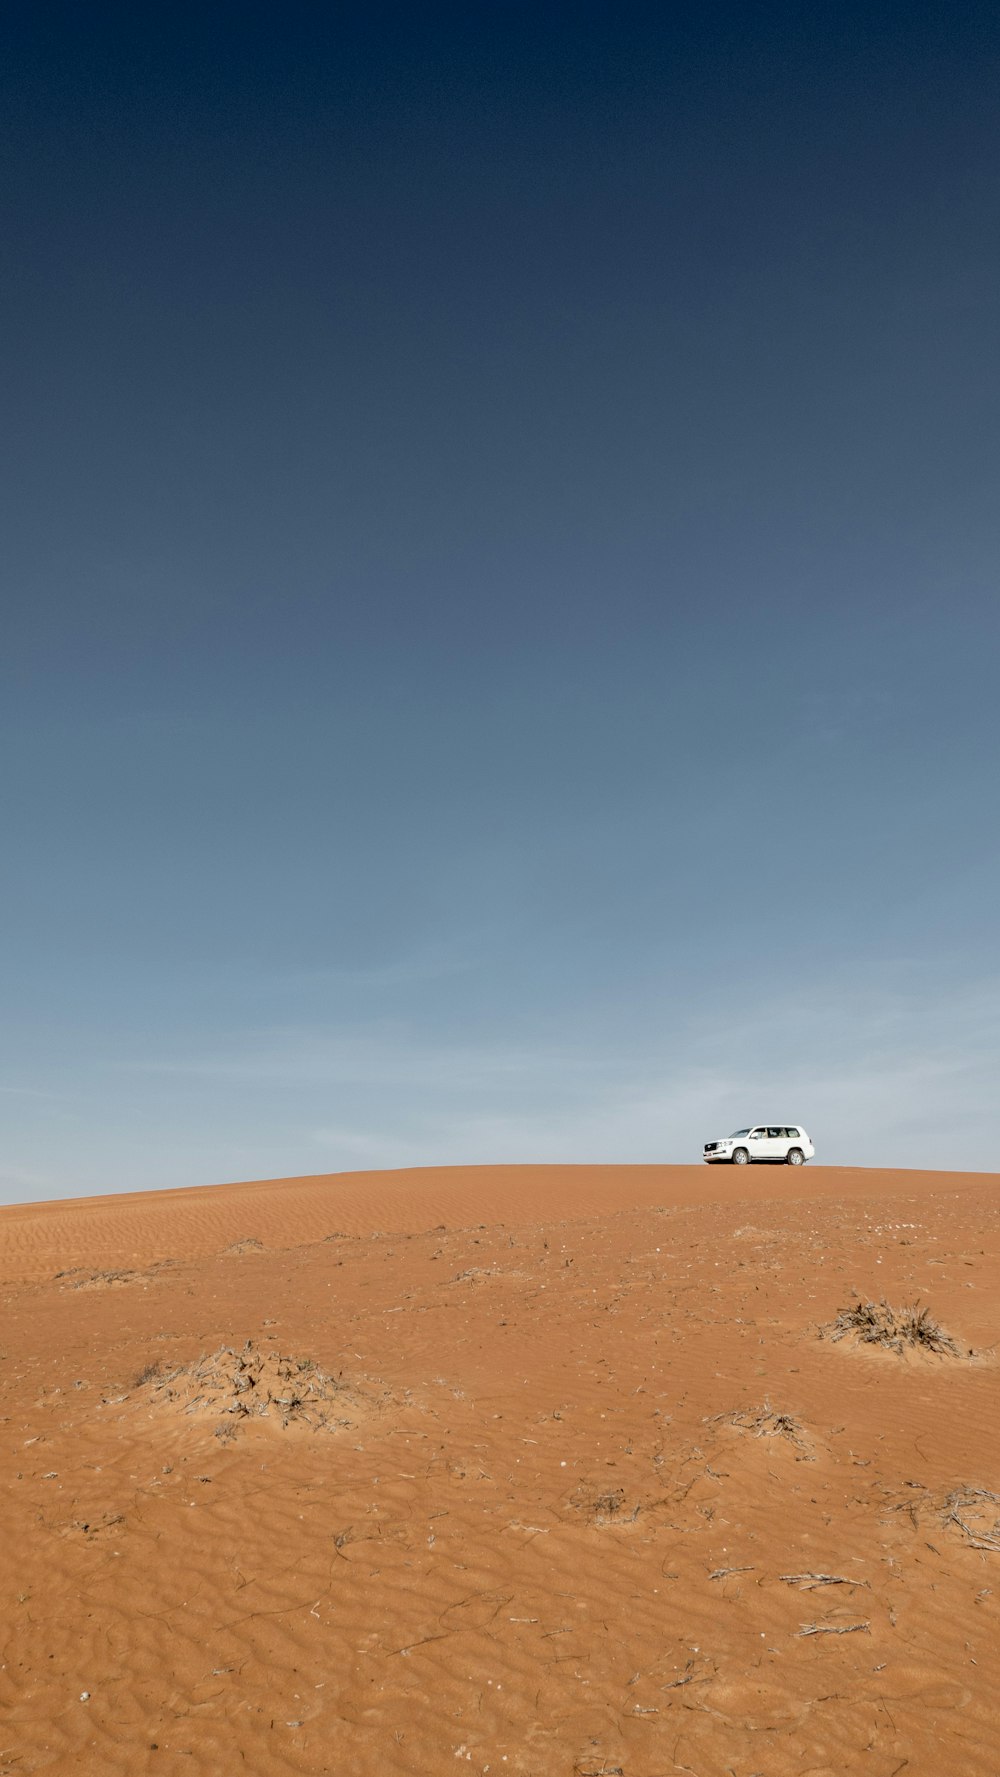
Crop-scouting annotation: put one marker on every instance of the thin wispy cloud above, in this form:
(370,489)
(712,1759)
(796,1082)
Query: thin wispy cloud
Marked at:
(879,1077)
(429,963)
(387,1059)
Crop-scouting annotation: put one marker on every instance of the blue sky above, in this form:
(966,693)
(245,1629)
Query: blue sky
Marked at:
(500,620)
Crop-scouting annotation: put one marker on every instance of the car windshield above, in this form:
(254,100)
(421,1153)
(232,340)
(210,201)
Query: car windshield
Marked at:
(737,1132)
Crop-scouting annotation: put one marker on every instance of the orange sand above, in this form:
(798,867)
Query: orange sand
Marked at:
(555,1475)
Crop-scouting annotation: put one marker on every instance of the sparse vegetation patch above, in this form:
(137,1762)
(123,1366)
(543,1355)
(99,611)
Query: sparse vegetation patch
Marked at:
(764,1422)
(976,1513)
(250,1384)
(895,1329)
(604,1507)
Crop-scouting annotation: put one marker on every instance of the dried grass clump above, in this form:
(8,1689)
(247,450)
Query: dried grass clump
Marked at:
(764,1422)
(976,1513)
(251,1385)
(896,1329)
(603,1508)
(79,1278)
(98,1280)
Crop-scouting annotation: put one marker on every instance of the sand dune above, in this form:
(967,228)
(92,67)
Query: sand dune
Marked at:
(531,1470)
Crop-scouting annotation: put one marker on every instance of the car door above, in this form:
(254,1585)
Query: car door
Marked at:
(757,1143)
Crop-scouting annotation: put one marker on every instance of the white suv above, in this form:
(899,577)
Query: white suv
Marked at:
(766,1141)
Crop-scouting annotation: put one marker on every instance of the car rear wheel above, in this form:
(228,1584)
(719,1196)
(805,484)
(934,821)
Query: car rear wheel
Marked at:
(740,1157)
(795,1157)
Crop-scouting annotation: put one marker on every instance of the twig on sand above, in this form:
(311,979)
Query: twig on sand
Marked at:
(410,1645)
(835,1629)
(722,1573)
(808,1580)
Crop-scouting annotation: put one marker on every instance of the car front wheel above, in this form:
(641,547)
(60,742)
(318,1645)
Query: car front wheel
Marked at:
(740,1157)
(795,1157)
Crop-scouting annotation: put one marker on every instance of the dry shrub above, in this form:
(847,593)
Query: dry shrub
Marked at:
(250,1384)
(603,1508)
(78,1278)
(101,1280)
(764,1422)
(896,1329)
(976,1513)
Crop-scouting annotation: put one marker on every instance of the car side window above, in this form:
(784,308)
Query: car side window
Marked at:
(755,1134)
(775,1134)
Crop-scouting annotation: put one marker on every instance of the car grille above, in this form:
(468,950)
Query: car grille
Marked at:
(710,1147)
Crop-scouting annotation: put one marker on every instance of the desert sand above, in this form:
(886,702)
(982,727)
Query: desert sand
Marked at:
(532,1470)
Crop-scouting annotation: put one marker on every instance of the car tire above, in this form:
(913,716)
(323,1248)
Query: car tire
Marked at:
(740,1157)
(794,1157)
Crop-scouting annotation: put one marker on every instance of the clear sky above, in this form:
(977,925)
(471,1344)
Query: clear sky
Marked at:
(499,648)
